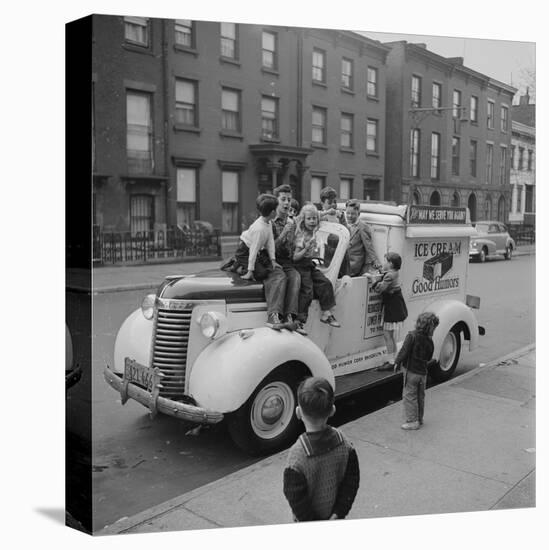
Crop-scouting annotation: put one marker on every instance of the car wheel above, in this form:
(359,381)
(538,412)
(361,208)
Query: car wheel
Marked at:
(482,255)
(508,253)
(448,357)
(267,421)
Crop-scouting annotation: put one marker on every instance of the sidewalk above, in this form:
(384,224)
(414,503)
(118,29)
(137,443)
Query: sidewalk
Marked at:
(149,276)
(475,452)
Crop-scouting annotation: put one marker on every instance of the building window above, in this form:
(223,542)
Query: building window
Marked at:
(347,73)
(186,196)
(230,109)
(346,131)
(184,32)
(513,148)
(501,209)
(437,95)
(139,137)
(136,30)
(504,119)
(319,66)
(490,116)
(371,88)
(319,126)
(317,183)
(503,166)
(488,208)
(435,199)
(414,152)
(519,199)
(456,103)
(529,199)
(473,158)
(489,162)
(455,200)
(229,40)
(185,102)
(268,45)
(141,214)
(229,200)
(455,156)
(371,135)
(474,109)
(530,160)
(416,91)
(345,188)
(371,189)
(520,165)
(269,118)
(435,156)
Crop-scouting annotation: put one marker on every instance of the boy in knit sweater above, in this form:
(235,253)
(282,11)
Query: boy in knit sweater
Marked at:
(322,475)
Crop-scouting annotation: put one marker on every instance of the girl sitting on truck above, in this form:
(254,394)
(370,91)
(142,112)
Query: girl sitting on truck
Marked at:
(300,239)
(394,307)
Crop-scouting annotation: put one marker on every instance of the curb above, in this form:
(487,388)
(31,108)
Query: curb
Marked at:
(126,524)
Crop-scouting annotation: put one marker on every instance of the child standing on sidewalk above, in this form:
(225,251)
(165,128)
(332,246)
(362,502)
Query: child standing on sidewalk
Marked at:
(394,307)
(322,474)
(416,357)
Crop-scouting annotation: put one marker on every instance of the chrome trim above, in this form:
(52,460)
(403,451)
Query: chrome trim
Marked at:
(173,304)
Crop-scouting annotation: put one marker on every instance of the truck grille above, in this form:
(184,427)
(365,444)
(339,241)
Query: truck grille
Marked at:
(171,341)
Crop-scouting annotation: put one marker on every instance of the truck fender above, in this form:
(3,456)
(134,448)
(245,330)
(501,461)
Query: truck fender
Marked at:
(450,313)
(227,372)
(134,339)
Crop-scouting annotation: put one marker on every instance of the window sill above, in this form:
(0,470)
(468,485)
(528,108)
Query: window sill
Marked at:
(186,128)
(269,140)
(372,154)
(347,150)
(319,84)
(137,49)
(185,49)
(374,98)
(267,70)
(347,91)
(231,134)
(319,146)
(229,61)
(474,123)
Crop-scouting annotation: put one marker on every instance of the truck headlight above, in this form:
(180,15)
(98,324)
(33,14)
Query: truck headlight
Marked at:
(473,245)
(213,324)
(147,306)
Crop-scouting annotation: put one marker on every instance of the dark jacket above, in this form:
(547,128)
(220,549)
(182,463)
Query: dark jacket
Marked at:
(416,352)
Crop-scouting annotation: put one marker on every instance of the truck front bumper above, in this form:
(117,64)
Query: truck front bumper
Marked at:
(184,411)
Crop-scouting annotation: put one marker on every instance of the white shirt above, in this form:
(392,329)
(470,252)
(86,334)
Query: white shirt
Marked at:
(258,236)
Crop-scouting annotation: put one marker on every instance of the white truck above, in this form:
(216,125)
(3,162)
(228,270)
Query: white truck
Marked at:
(199,349)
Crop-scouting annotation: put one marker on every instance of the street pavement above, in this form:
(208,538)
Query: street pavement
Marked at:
(475,452)
(149,276)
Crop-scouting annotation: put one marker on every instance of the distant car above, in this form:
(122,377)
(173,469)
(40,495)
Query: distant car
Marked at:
(493,239)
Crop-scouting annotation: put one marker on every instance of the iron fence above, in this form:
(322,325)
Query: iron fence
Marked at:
(523,234)
(144,246)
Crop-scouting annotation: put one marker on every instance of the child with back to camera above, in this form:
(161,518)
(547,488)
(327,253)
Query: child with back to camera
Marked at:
(322,474)
(415,356)
(394,307)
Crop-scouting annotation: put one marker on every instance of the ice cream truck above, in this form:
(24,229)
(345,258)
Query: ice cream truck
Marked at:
(198,349)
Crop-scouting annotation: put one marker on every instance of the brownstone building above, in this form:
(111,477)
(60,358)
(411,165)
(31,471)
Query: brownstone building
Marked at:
(449,133)
(193,119)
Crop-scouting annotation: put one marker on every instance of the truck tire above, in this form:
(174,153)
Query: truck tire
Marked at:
(449,356)
(267,422)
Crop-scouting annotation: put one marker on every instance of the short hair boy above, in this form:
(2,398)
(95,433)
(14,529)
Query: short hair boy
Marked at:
(322,475)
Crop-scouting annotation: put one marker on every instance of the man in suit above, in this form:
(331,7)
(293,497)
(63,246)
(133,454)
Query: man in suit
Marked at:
(362,256)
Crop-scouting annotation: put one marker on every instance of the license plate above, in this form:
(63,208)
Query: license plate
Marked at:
(140,375)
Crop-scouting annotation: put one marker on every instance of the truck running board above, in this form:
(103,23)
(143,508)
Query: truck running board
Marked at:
(358,381)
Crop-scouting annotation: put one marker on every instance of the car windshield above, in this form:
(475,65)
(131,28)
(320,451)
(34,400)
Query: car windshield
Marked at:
(482,227)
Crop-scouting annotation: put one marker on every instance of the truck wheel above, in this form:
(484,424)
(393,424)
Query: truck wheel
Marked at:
(267,422)
(482,255)
(449,356)
(508,253)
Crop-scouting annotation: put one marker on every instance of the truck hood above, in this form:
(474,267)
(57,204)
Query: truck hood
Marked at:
(213,284)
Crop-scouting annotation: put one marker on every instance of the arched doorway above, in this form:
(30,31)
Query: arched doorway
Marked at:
(472,205)
(435,199)
(488,207)
(501,209)
(455,200)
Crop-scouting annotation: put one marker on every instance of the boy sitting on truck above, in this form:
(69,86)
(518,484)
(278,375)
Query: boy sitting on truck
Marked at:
(322,474)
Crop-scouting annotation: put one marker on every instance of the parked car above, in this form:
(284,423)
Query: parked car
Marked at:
(492,239)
